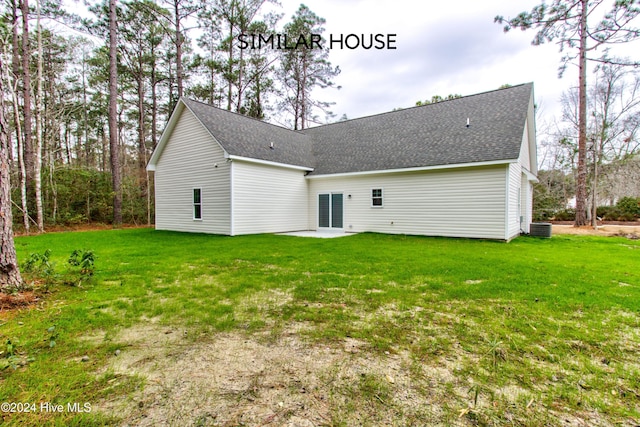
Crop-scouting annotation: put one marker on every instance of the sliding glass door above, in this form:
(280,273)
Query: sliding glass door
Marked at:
(330,210)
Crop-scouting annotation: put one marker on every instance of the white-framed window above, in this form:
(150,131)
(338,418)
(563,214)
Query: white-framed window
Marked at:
(197,203)
(376,198)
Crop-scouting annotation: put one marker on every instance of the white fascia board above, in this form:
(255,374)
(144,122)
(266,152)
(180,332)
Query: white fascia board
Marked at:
(415,169)
(155,156)
(530,176)
(173,120)
(267,162)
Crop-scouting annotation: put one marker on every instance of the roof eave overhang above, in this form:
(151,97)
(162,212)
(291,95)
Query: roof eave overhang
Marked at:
(414,169)
(268,163)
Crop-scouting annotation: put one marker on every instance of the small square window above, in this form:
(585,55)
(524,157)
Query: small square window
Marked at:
(376,197)
(197,203)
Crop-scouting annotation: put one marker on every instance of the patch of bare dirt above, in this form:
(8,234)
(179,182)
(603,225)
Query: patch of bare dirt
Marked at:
(232,379)
(630,231)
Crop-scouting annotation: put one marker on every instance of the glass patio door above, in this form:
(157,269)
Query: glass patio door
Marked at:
(330,210)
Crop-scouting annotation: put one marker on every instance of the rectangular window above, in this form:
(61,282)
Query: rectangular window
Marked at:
(376,197)
(197,203)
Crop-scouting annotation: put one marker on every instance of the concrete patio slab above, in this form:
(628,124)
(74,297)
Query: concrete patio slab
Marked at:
(317,234)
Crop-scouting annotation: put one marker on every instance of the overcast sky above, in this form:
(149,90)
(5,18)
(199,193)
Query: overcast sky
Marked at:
(443,47)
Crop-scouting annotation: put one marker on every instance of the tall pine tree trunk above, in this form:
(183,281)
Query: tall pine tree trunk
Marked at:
(113,115)
(16,114)
(143,180)
(154,100)
(26,97)
(9,272)
(179,66)
(37,167)
(581,183)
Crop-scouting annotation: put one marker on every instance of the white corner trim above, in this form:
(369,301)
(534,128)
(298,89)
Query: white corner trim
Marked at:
(506,204)
(530,176)
(415,169)
(267,162)
(232,197)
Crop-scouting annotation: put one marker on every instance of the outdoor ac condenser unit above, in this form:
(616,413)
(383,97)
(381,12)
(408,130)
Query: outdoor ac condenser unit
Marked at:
(540,229)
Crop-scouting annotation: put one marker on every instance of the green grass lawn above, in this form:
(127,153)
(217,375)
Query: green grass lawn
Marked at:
(557,320)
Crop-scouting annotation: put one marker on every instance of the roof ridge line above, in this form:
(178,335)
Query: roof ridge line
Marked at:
(184,98)
(414,107)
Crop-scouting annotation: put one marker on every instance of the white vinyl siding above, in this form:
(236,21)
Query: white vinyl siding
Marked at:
(465,202)
(514,206)
(268,199)
(189,161)
(526,203)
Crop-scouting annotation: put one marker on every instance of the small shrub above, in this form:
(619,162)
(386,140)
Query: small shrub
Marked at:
(53,335)
(39,264)
(39,268)
(10,357)
(84,260)
(82,264)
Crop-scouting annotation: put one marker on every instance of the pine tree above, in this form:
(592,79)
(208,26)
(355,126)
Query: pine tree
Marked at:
(567,22)
(305,68)
(9,271)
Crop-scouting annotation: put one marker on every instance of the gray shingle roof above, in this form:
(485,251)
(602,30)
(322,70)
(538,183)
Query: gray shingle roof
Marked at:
(247,137)
(430,135)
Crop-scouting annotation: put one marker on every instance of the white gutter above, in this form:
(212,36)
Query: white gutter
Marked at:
(414,169)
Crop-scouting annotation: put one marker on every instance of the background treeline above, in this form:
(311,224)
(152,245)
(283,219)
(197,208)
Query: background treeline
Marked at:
(56,74)
(613,150)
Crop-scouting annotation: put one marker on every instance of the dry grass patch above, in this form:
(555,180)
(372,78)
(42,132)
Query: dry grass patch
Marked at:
(238,379)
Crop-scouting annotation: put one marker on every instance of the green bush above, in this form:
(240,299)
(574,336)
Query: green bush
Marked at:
(39,264)
(39,268)
(612,214)
(629,207)
(565,215)
(83,260)
(603,211)
(543,214)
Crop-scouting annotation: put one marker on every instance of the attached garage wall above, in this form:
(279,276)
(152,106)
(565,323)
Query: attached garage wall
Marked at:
(187,162)
(466,202)
(268,199)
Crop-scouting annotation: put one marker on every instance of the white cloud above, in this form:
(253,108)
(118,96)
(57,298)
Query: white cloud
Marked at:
(442,48)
